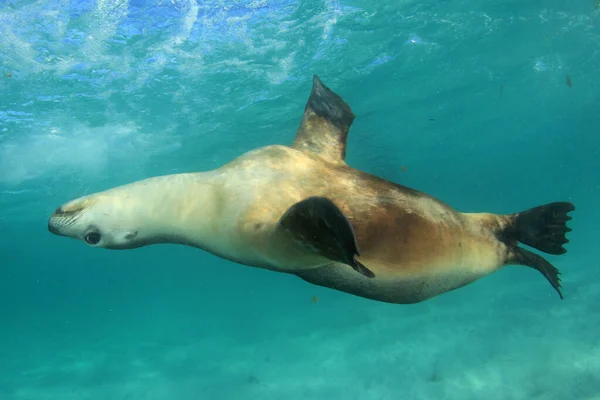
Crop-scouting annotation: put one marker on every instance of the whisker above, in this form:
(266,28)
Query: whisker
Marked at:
(85,192)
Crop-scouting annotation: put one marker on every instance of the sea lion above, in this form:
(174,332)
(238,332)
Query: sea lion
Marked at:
(301,209)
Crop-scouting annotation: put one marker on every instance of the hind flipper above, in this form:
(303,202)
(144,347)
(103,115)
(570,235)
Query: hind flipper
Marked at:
(518,255)
(544,227)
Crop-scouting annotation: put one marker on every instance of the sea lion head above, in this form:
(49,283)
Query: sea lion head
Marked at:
(114,219)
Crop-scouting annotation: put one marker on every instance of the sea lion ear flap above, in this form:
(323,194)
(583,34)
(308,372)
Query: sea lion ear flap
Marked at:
(325,124)
(318,225)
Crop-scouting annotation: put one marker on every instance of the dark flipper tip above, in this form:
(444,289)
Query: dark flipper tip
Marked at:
(320,225)
(361,269)
(552,274)
(329,105)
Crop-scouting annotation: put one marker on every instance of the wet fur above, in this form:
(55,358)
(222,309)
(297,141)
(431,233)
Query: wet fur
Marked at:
(417,246)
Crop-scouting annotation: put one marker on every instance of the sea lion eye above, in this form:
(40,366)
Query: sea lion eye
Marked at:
(92,238)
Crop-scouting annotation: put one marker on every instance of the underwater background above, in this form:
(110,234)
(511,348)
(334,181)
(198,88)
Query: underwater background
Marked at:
(487,105)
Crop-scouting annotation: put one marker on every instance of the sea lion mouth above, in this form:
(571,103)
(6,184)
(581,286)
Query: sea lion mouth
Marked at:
(52,227)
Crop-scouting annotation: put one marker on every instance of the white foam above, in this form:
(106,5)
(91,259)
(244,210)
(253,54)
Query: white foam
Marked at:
(189,20)
(75,149)
(281,73)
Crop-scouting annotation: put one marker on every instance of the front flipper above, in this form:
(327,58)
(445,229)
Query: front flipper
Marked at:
(319,225)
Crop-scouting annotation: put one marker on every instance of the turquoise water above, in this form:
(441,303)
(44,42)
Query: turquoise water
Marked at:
(466,100)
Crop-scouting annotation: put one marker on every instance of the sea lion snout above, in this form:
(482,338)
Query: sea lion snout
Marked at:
(62,217)
(52,228)
(53,221)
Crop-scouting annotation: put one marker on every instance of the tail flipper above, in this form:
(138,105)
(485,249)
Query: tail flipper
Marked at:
(543,228)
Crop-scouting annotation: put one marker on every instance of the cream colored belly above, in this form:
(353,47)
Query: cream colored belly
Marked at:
(401,288)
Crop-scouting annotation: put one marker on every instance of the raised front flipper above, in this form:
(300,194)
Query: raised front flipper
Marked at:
(320,226)
(325,124)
